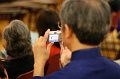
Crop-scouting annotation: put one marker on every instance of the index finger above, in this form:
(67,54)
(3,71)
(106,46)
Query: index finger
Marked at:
(61,46)
(46,36)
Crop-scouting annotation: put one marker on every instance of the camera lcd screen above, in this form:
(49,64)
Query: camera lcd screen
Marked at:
(53,37)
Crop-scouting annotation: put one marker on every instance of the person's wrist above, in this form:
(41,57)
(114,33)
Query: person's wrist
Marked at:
(39,63)
(39,69)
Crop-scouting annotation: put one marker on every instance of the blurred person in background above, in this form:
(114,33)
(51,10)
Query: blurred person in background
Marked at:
(5,18)
(17,42)
(49,19)
(85,24)
(115,7)
(110,46)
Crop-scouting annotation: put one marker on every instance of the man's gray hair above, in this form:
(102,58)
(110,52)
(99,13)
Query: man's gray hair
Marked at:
(89,19)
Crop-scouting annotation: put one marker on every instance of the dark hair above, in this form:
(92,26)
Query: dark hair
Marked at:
(47,19)
(18,39)
(115,5)
(89,19)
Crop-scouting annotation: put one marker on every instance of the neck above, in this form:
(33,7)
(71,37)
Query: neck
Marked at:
(81,46)
(76,45)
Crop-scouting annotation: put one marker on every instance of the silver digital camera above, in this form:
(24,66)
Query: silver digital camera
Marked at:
(54,36)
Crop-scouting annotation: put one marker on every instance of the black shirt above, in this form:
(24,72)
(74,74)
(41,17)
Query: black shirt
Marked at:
(16,67)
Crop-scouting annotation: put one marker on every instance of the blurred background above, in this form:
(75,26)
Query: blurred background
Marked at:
(28,11)
(25,10)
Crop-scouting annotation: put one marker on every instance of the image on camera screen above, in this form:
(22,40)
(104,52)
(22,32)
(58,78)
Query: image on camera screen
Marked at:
(53,38)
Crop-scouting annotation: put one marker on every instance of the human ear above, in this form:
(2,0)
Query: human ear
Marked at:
(68,31)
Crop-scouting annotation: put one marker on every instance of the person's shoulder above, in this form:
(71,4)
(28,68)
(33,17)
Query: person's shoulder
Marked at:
(109,62)
(94,64)
(111,66)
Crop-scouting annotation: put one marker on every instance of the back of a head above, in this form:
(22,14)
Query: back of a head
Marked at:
(47,19)
(115,5)
(89,19)
(17,36)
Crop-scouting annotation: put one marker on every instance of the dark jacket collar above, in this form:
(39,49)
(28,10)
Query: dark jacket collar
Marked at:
(86,53)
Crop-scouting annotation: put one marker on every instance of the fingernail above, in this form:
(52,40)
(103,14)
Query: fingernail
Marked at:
(48,30)
(52,42)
